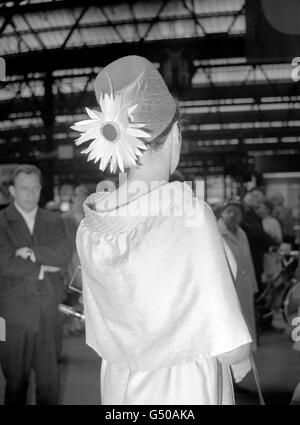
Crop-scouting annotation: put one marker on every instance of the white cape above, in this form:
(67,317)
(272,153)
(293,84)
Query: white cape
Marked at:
(157,288)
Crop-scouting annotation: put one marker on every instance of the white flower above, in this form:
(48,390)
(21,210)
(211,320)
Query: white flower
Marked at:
(116,138)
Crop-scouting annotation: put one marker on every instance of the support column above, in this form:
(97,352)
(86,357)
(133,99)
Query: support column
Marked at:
(49,120)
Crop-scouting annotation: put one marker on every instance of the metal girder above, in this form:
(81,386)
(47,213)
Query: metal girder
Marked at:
(112,24)
(26,147)
(34,32)
(283,163)
(48,6)
(116,22)
(235,91)
(243,116)
(155,19)
(212,46)
(243,149)
(75,26)
(237,14)
(190,136)
(8,14)
(241,134)
(196,20)
(69,103)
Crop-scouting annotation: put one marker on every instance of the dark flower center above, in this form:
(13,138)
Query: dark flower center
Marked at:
(110,131)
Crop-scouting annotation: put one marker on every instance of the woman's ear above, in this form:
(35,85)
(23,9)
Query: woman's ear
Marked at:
(175,147)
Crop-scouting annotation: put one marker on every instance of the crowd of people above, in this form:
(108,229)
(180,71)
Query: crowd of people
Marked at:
(254,228)
(260,230)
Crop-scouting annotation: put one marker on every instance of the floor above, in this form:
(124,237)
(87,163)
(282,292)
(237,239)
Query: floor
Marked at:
(277,363)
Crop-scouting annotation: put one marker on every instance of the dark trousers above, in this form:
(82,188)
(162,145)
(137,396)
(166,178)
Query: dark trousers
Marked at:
(19,354)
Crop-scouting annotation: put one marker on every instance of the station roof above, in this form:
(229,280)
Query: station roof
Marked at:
(232,105)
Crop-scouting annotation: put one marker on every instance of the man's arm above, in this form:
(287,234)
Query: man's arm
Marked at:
(58,254)
(258,235)
(12,265)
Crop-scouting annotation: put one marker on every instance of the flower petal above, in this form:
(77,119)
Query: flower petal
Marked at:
(137,125)
(106,156)
(113,162)
(94,115)
(132,108)
(92,146)
(137,132)
(121,155)
(120,161)
(102,104)
(85,122)
(130,111)
(134,142)
(90,134)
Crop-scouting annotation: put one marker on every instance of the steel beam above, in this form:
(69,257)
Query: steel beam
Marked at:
(212,46)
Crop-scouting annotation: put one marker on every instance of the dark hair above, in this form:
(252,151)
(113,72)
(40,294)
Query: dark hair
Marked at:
(161,138)
(27,169)
(233,202)
(268,204)
(257,188)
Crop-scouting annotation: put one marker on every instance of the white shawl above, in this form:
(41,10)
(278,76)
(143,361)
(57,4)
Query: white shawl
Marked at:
(157,288)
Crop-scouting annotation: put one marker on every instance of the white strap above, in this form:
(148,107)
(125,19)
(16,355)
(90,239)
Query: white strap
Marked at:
(220,382)
(257,381)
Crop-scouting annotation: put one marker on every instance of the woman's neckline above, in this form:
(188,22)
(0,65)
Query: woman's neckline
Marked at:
(129,197)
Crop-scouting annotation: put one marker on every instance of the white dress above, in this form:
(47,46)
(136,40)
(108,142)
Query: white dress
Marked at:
(160,303)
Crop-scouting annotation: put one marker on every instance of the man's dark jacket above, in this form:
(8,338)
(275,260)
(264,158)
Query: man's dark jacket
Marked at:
(23,297)
(259,240)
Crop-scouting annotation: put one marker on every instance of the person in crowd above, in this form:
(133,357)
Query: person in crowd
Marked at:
(4,195)
(284,216)
(297,271)
(52,206)
(260,242)
(270,224)
(160,304)
(72,219)
(272,261)
(236,238)
(296,210)
(33,248)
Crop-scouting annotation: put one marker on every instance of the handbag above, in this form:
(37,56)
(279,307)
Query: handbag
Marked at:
(256,378)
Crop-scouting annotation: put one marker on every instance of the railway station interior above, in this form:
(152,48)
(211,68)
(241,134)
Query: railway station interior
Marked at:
(234,68)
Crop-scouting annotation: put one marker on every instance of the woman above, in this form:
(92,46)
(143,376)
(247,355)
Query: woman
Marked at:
(236,238)
(272,261)
(284,216)
(160,305)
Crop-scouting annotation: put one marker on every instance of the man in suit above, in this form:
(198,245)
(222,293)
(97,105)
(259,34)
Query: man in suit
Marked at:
(33,248)
(260,242)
